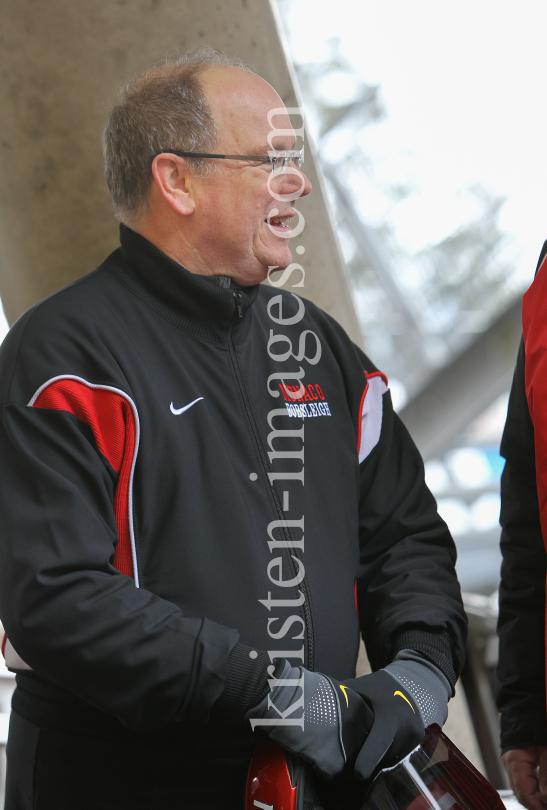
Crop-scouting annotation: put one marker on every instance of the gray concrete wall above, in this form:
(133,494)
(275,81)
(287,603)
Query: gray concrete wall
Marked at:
(60,62)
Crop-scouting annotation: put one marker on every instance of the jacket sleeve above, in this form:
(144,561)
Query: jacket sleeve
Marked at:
(408,592)
(521,626)
(68,612)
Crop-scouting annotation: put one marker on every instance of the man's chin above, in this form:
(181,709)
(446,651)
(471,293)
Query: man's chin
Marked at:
(250,276)
(280,259)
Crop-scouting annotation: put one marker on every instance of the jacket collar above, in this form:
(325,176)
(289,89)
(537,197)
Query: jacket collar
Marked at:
(206,306)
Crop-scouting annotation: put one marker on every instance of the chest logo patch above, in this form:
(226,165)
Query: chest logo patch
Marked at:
(178,411)
(305,400)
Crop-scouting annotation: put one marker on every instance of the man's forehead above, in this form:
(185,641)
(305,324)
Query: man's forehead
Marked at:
(243,104)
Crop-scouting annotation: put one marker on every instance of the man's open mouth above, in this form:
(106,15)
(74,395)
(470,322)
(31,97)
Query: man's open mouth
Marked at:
(281,223)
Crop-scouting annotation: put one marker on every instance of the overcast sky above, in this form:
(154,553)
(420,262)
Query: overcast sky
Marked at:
(464,85)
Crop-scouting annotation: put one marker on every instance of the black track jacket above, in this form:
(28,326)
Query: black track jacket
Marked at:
(521,627)
(186,463)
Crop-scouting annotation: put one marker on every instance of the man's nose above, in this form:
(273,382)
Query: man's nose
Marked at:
(307,187)
(293,182)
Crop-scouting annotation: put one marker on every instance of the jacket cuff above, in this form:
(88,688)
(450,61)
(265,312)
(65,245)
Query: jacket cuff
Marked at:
(246,683)
(524,728)
(435,645)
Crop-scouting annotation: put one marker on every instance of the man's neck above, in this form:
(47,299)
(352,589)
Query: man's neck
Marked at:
(173,244)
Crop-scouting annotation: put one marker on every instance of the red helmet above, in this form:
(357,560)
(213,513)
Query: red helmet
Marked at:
(435,776)
(269,783)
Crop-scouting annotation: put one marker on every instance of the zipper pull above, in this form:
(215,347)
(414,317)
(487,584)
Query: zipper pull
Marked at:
(237,296)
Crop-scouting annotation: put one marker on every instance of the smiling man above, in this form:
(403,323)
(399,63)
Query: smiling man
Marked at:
(225,220)
(169,426)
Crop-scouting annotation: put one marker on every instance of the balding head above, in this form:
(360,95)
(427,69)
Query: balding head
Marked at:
(240,102)
(165,108)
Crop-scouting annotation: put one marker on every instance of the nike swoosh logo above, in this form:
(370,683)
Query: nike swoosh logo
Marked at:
(344,690)
(178,411)
(404,698)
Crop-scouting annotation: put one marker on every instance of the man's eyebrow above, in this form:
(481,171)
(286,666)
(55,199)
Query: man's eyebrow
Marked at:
(267,148)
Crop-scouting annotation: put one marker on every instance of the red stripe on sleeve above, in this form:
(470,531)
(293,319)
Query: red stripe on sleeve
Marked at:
(534,328)
(111,419)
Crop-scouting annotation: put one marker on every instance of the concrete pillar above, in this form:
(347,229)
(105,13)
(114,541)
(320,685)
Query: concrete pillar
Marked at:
(60,62)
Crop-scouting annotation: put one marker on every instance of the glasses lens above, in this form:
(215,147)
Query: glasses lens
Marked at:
(280,161)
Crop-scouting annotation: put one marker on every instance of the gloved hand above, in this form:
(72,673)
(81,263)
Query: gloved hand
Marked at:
(317,717)
(407,696)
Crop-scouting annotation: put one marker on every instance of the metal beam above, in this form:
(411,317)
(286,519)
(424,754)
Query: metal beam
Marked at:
(374,256)
(461,391)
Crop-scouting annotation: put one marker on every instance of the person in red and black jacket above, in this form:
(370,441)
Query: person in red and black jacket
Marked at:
(169,426)
(521,628)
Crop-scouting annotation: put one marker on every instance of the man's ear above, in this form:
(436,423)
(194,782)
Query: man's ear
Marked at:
(175,182)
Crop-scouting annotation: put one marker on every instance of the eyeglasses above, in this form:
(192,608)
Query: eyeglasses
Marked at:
(277,160)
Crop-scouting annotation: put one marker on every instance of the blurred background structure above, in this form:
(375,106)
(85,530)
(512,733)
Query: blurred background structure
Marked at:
(427,157)
(427,123)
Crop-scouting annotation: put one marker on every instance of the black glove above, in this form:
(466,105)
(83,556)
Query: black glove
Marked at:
(322,720)
(407,696)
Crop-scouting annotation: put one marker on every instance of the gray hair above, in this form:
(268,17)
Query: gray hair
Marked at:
(163,109)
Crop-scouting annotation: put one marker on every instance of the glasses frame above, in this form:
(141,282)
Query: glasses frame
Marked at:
(277,159)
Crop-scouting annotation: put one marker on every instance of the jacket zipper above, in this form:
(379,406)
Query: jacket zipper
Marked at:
(265,463)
